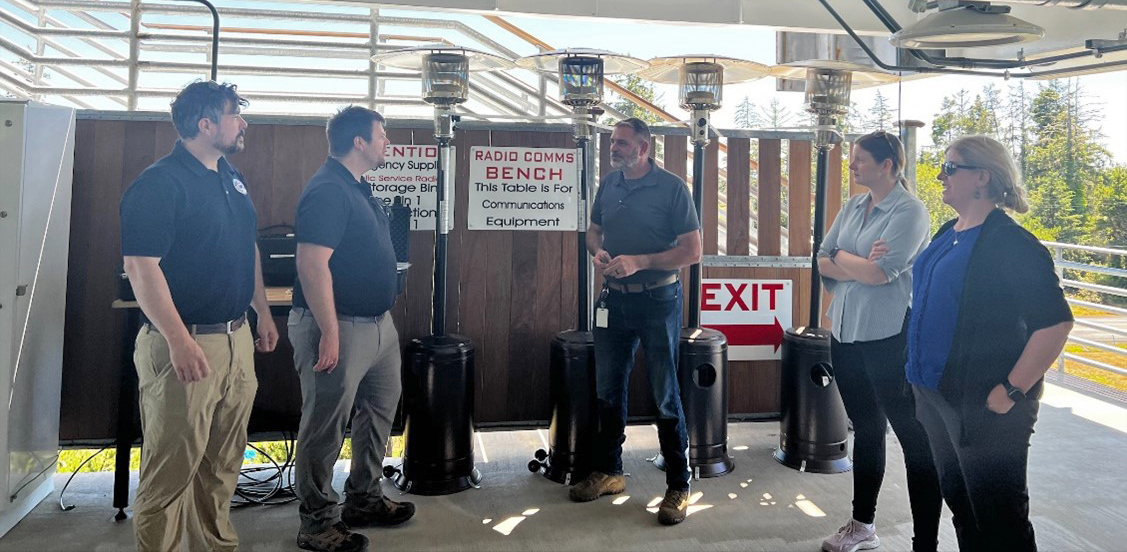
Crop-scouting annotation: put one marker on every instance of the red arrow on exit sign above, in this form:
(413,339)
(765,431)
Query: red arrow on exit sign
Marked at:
(751,334)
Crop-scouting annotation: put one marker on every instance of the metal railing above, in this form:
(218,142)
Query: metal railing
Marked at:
(115,54)
(1073,264)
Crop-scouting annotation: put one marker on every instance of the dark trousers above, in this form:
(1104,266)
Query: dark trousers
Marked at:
(653,319)
(982,465)
(870,377)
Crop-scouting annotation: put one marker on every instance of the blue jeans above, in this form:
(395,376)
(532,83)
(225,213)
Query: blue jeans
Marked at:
(652,318)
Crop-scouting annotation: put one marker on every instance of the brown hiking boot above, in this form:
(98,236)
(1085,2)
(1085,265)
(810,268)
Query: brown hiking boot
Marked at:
(381,511)
(337,538)
(595,485)
(673,507)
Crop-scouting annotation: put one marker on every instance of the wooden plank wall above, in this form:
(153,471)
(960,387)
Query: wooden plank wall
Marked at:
(510,292)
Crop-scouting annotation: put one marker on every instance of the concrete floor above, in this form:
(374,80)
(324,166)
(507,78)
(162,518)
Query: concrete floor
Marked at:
(1077,484)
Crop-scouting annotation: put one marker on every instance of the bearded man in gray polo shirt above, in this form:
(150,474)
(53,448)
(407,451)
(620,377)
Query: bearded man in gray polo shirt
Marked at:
(644,229)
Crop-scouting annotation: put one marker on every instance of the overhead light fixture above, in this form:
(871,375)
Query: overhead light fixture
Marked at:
(962,24)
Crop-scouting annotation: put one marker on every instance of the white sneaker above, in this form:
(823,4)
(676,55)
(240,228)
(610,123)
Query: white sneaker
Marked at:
(851,537)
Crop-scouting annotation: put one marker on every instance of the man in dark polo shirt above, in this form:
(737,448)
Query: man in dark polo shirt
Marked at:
(346,348)
(188,237)
(644,229)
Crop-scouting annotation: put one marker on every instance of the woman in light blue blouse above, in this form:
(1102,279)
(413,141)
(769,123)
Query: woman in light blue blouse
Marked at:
(866,262)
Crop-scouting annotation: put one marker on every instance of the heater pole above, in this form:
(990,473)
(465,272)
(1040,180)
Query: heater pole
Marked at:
(582,146)
(819,227)
(700,132)
(443,133)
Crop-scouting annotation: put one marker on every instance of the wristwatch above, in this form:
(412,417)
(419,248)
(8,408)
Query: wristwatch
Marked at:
(832,254)
(1015,394)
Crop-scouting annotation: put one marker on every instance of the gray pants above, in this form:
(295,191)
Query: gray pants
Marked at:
(367,376)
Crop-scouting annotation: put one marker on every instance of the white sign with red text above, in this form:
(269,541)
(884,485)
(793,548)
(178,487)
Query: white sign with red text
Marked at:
(523,189)
(752,314)
(411,172)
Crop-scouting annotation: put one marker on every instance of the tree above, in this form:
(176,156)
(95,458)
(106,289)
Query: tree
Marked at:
(643,89)
(882,116)
(747,116)
(776,115)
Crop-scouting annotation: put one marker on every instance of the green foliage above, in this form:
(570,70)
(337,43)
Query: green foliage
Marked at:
(643,89)
(1074,193)
(930,190)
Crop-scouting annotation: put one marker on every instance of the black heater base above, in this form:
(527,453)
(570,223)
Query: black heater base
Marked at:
(572,431)
(438,399)
(702,372)
(813,432)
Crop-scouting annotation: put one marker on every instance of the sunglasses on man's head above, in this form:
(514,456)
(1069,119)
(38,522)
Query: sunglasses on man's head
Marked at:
(949,167)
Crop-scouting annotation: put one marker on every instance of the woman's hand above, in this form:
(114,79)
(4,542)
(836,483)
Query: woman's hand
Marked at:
(878,250)
(998,401)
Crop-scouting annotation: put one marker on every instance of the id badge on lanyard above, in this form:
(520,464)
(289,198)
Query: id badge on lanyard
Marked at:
(602,314)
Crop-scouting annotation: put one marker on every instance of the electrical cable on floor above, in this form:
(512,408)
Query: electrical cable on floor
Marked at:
(69,507)
(267,485)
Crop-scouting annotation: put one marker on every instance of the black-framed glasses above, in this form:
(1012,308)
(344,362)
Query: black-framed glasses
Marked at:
(949,167)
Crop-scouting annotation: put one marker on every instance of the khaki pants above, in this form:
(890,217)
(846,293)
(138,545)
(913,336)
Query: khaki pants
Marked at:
(366,381)
(195,435)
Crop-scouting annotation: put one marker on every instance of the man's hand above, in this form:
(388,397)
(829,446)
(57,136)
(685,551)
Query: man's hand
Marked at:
(267,334)
(879,249)
(998,401)
(188,361)
(623,266)
(328,353)
(601,259)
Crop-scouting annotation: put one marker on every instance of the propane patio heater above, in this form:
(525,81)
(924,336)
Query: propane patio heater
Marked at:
(702,359)
(814,428)
(438,375)
(572,366)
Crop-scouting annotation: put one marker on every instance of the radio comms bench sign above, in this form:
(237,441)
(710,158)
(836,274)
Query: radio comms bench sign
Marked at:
(750,313)
(523,188)
(411,172)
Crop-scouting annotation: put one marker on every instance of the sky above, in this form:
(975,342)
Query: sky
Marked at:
(919,100)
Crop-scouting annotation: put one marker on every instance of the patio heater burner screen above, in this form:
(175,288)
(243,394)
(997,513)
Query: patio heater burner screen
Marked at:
(702,85)
(581,80)
(445,78)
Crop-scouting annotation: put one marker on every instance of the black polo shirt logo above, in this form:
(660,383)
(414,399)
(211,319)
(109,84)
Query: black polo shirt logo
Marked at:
(240,186)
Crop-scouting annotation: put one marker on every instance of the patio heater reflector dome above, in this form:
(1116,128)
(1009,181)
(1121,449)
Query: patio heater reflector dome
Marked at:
(701,78)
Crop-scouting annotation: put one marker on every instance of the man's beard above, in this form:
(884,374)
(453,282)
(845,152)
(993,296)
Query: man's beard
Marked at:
(234,147)
(625,162)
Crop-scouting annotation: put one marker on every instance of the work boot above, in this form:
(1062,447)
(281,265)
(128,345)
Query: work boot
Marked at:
(336,538)
(380,511)
(674,507)
(595,485)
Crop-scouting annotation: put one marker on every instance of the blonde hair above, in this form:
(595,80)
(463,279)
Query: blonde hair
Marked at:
(991,156)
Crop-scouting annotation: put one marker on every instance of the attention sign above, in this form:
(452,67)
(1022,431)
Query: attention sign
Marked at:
(523,189)
(411,172)
(750,313)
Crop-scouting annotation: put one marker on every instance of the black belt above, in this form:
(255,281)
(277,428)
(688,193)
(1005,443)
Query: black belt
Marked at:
(205,329)
(638,288)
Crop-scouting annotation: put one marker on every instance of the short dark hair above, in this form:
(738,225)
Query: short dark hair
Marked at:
(202,99)
(640,128)
(347,124)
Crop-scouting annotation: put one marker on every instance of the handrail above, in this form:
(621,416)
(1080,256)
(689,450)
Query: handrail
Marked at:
(1061,266)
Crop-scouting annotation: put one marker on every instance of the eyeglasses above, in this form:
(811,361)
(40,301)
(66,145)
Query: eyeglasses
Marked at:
(887,139)
(949,167)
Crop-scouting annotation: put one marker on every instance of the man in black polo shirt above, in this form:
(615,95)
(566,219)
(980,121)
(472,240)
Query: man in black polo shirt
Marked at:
(644,229)
(188,237)
(346,348)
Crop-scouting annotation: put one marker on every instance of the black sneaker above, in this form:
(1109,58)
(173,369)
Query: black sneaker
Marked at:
(337,538)
(381,511)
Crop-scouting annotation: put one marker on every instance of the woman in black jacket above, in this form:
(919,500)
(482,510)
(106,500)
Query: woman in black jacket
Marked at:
(988,319)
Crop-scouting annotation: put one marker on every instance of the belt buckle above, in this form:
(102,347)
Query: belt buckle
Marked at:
(229,324)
